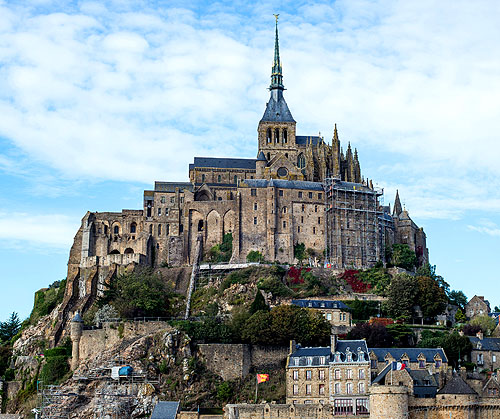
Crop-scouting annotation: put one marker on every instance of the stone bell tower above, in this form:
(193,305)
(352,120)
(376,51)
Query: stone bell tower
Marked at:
(276,129)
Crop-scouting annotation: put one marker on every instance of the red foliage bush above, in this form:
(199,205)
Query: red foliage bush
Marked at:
(351,277)
(295,275)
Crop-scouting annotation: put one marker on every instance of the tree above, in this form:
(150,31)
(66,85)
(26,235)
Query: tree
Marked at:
(485,322)
(430,339)
(259,303)
(376,335)
(458,298)
(403,335)
(430,271)
(403,256)
(431,297)
(456,347)
(401,296)
(299,251)
(460,316)
(254,256)
(9,328)
(139,293)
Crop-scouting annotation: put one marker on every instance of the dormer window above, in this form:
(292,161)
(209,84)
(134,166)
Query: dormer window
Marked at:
(296,360)
(322,360)
(309,360)
(337,357)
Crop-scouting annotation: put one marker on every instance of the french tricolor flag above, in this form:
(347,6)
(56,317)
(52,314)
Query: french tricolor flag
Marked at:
(397,366)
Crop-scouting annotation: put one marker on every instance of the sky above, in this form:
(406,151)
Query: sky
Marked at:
(100,99)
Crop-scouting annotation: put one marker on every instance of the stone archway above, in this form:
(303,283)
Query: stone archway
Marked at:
(229,222)
(213,229)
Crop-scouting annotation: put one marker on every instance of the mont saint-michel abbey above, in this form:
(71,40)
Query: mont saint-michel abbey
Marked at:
(298,189)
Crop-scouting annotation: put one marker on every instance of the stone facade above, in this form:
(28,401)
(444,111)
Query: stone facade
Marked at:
(477,306)
(268,204)
(338,375)
(335,312)
(485,352)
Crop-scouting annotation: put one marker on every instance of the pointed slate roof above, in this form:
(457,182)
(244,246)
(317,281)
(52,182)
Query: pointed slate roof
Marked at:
(456,386)
(398,209)
(261,157)
(277,109)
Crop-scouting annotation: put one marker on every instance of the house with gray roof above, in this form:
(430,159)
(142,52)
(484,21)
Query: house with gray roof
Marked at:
(485,352)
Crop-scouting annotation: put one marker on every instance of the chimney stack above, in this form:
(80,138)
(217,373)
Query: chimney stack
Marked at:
(333,342)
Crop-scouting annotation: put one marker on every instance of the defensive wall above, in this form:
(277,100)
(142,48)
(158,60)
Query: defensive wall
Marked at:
(232,361)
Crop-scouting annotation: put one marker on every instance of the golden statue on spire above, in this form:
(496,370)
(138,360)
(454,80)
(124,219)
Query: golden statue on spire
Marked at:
(276,16)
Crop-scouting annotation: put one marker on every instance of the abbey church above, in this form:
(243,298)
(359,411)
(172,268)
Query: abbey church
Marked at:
(298,189)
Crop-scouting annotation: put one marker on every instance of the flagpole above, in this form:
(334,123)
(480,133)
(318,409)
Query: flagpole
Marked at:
(256,386)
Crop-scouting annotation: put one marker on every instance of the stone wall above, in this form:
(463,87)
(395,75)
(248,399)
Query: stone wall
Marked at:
(233,361)
(268,411)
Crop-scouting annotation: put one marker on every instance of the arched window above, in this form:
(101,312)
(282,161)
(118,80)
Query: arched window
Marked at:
(285,136)
(128,251)
(106,230)
(301,161)
(151,229)
(133,227)
(116,230)
(268,135)
(276,135)
(200,225)
(159,229)
(219,178)
(167,229)
(114,252)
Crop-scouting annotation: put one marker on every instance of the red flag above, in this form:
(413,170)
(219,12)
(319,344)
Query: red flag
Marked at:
(261,378)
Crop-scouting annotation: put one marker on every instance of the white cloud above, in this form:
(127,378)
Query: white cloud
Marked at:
(486,227)
(54,231)
(111,92)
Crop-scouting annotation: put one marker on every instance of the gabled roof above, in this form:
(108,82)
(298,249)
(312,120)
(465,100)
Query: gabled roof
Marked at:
(412,353)
(165,410)
(456,386)
(223,163)
(320,304)
(487,344)
(280,183)
(261,157)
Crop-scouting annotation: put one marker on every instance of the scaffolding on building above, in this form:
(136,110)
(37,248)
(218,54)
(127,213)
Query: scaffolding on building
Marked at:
(355,226)
(53,402)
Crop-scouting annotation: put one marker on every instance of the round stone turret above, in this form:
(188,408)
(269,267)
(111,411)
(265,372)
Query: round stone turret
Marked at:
(389,402)
(76,329)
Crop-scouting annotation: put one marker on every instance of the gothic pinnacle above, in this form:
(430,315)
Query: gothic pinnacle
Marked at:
(277,75)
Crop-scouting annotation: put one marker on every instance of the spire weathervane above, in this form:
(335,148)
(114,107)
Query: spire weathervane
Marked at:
(277,75)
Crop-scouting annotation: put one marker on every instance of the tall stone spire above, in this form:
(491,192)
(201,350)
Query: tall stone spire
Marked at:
(277,75)
(398,209)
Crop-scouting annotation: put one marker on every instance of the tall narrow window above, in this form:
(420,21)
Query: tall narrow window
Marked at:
(235,179)
(219,178)
(268,156)
(133,227)
(301,161)
(285,136)
(203,178)
(255,206)
(167,229)
(159,211)
(159,229)
(277,135)
(268,135)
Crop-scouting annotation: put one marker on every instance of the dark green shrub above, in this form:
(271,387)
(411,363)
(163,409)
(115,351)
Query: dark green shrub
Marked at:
(54,369)
(254,256)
